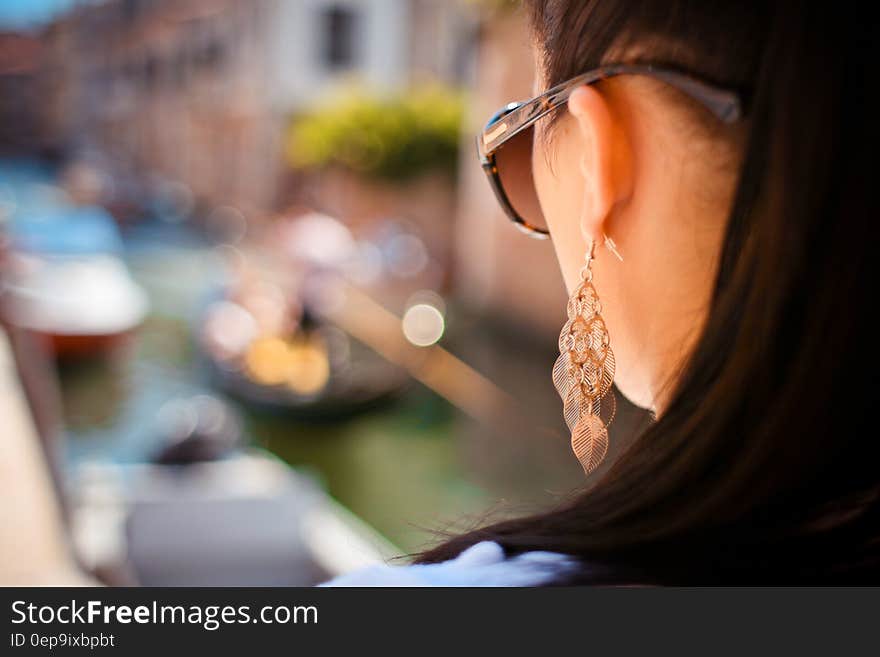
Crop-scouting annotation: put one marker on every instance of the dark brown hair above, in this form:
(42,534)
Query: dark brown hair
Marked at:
(764,467)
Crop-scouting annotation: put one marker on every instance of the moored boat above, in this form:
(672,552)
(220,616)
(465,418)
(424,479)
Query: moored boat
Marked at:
(66,280)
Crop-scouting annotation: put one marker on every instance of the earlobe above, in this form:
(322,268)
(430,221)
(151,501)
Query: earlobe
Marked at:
(604,184)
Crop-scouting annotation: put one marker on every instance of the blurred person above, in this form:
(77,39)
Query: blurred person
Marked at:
(702,170)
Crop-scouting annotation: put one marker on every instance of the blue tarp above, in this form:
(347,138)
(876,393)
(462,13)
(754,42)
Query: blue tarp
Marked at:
(65,231)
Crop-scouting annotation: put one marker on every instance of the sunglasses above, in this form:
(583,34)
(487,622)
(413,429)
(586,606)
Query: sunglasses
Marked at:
(505,145)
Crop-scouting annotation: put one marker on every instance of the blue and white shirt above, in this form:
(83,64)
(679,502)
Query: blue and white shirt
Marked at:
(483,564)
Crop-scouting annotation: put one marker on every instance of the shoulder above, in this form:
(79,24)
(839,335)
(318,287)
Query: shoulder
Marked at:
(483,564)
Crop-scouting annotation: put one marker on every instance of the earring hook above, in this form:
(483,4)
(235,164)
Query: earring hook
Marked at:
(611,246)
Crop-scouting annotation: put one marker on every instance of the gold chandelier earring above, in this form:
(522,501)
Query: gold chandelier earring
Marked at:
(584,372)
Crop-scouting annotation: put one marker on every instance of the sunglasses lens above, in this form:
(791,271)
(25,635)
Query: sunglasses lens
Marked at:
(514,162)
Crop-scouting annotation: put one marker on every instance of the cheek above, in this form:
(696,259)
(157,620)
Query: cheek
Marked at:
(560,191)
(546,175)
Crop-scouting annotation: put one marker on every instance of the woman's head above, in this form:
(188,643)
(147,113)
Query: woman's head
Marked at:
(743,305)
(634,159)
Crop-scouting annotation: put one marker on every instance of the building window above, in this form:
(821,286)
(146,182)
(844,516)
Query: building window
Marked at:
(339,30)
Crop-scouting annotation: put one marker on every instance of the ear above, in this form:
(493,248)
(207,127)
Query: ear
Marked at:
(605,161)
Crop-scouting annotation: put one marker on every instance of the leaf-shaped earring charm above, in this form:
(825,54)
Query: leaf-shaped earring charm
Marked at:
(584,372)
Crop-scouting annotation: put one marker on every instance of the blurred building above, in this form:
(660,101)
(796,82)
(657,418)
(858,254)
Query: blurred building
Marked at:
(498,269)
(19,98)
(198,91)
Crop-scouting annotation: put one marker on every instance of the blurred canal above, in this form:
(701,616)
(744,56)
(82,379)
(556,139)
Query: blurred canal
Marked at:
(406,467)
(388,466)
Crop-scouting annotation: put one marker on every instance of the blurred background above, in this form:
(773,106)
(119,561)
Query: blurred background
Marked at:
(261,314)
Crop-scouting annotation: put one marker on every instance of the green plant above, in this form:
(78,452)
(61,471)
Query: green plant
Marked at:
(387,138)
